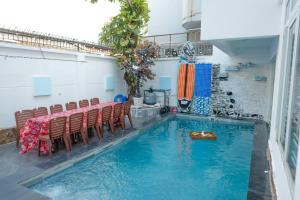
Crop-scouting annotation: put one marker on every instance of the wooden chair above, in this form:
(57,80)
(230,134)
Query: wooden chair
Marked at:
(94,101)
(57,108)
(57,130)
(92,121)
(117,115)
(40,111)
(21,118)
(105,118)
(76,126)
(126,112)
(71,105)
(84,103)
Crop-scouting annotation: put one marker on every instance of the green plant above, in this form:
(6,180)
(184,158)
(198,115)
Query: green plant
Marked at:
(123,34)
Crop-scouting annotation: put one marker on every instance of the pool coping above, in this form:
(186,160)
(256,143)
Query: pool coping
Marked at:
(259,186)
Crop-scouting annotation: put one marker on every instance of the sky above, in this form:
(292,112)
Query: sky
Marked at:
(77,19)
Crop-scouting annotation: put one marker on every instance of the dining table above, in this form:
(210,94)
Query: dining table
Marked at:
(34,127)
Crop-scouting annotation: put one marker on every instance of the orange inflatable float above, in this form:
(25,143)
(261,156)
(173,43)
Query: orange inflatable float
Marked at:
(202,135)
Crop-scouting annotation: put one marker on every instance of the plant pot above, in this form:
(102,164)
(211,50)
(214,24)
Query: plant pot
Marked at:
(138,101)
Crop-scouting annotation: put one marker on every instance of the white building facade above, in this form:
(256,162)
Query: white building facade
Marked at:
(178,16)
(284,134)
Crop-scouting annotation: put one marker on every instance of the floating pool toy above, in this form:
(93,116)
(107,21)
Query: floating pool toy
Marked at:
(202,135)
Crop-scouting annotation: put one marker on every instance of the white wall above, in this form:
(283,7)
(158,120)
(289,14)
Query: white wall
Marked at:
(74,77)
(165,17)
(252,96)
(239,19)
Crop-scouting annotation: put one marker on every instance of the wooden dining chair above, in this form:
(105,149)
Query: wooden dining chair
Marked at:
(57,108)
(94,101)
(76,126)
(105,118)
(40,111)
(71,105)
(117,114)
(127,112)
(57,130)
(21,118)
(92,121)
(84,103)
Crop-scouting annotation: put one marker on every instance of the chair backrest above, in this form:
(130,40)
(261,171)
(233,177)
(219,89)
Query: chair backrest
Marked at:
(75,122)
(57,108)
(22,117)
(106,113)
(71,105)
(127,107)
(57,127)
(84,103)
(117,110)
(40,111)
(95,101)
(92,117)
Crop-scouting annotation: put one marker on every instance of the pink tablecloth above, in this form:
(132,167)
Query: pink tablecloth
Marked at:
(39,126)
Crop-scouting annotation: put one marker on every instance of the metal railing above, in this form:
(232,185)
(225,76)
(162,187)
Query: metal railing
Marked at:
(171,44)
(32,38)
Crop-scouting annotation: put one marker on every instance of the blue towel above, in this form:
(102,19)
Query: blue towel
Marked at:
(201,100)
(203,80)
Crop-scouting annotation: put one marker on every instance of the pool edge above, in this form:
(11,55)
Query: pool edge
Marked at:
(252,178)
(260,178)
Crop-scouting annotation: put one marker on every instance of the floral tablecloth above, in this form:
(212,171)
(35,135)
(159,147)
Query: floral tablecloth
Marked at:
(34,127)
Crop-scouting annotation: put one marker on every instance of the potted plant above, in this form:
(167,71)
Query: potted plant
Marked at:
(144,55)
(123,34)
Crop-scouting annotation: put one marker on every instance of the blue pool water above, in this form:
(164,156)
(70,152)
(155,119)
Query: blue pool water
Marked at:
(162,163)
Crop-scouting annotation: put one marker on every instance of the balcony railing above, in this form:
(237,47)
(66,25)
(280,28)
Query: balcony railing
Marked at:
(50,41)
(171,44)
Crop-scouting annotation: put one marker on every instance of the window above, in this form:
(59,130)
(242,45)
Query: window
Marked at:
(287,82)
(295,114)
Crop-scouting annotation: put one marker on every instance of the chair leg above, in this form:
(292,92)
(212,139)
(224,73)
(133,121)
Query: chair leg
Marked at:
(17,139)
(84,136)
(49,142)
(101,129)
(130,119)
(98,131)
(67,141)
(111,125)
(39,148)
(122,121)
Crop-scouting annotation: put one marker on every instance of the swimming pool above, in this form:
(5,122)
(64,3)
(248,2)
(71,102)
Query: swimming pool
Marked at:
(162,162)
